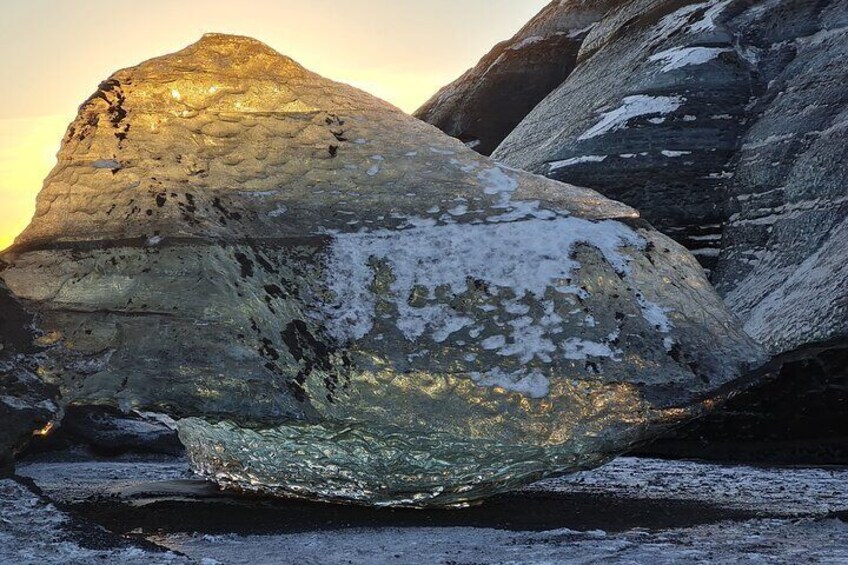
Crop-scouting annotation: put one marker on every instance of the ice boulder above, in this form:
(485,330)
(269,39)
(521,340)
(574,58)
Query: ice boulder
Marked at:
(341,302)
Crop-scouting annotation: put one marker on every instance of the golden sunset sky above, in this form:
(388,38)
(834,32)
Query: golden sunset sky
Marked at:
(54,53)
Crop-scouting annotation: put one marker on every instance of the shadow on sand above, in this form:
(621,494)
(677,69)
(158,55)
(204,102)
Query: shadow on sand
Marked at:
(195,506)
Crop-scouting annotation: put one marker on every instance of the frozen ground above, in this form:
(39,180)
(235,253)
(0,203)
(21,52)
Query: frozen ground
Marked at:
(756,541)
(631,511)
(34,532)
(771,490)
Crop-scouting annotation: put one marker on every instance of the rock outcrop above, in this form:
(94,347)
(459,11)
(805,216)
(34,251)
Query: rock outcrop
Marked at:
(28,406)
(484,105)
(348,303)
(108,431)
(724,123)
(651,116)
(796,418)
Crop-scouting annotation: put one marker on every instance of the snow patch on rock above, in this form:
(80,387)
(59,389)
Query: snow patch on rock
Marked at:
(556,165)
(707,23)
(679,58)
(654,314)
(672,154)
(497,182)
(633,107)
(526,42)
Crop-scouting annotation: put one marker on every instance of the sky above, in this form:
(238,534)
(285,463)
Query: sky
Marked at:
(54,53)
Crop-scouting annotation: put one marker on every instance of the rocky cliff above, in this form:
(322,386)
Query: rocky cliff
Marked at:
(484,105)
(333,288)
(723,122)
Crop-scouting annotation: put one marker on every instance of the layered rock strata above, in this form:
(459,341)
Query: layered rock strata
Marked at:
(724,124)
(484,105)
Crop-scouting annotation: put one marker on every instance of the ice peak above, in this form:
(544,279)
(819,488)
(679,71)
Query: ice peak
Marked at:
(226,41)
(232,55)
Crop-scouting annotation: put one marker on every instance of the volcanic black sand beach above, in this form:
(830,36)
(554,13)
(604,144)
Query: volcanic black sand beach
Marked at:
(632,510)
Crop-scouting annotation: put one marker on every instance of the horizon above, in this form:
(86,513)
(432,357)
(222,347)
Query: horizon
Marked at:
(390,64)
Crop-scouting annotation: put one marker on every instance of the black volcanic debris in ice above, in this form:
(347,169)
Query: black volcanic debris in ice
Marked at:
(482,327)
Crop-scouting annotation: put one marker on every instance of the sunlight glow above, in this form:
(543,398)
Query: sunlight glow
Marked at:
(44,431)
(401,51)
(28,150)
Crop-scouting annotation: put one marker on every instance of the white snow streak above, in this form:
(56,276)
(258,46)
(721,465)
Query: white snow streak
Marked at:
(633,107)
(686,56)
(556,165)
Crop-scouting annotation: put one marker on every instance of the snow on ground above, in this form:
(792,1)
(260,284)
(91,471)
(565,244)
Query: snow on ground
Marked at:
(76,477)
(34,532)
(775,490)
(756,541)
(787,515)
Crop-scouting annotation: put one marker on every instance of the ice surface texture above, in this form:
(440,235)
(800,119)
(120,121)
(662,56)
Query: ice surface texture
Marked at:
(345,303)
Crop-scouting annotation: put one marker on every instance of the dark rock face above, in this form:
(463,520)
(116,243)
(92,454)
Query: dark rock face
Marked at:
(724,123)
(784,261)
(651,116)
(484,105)
(27,405)
(795,418)
(107,431)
